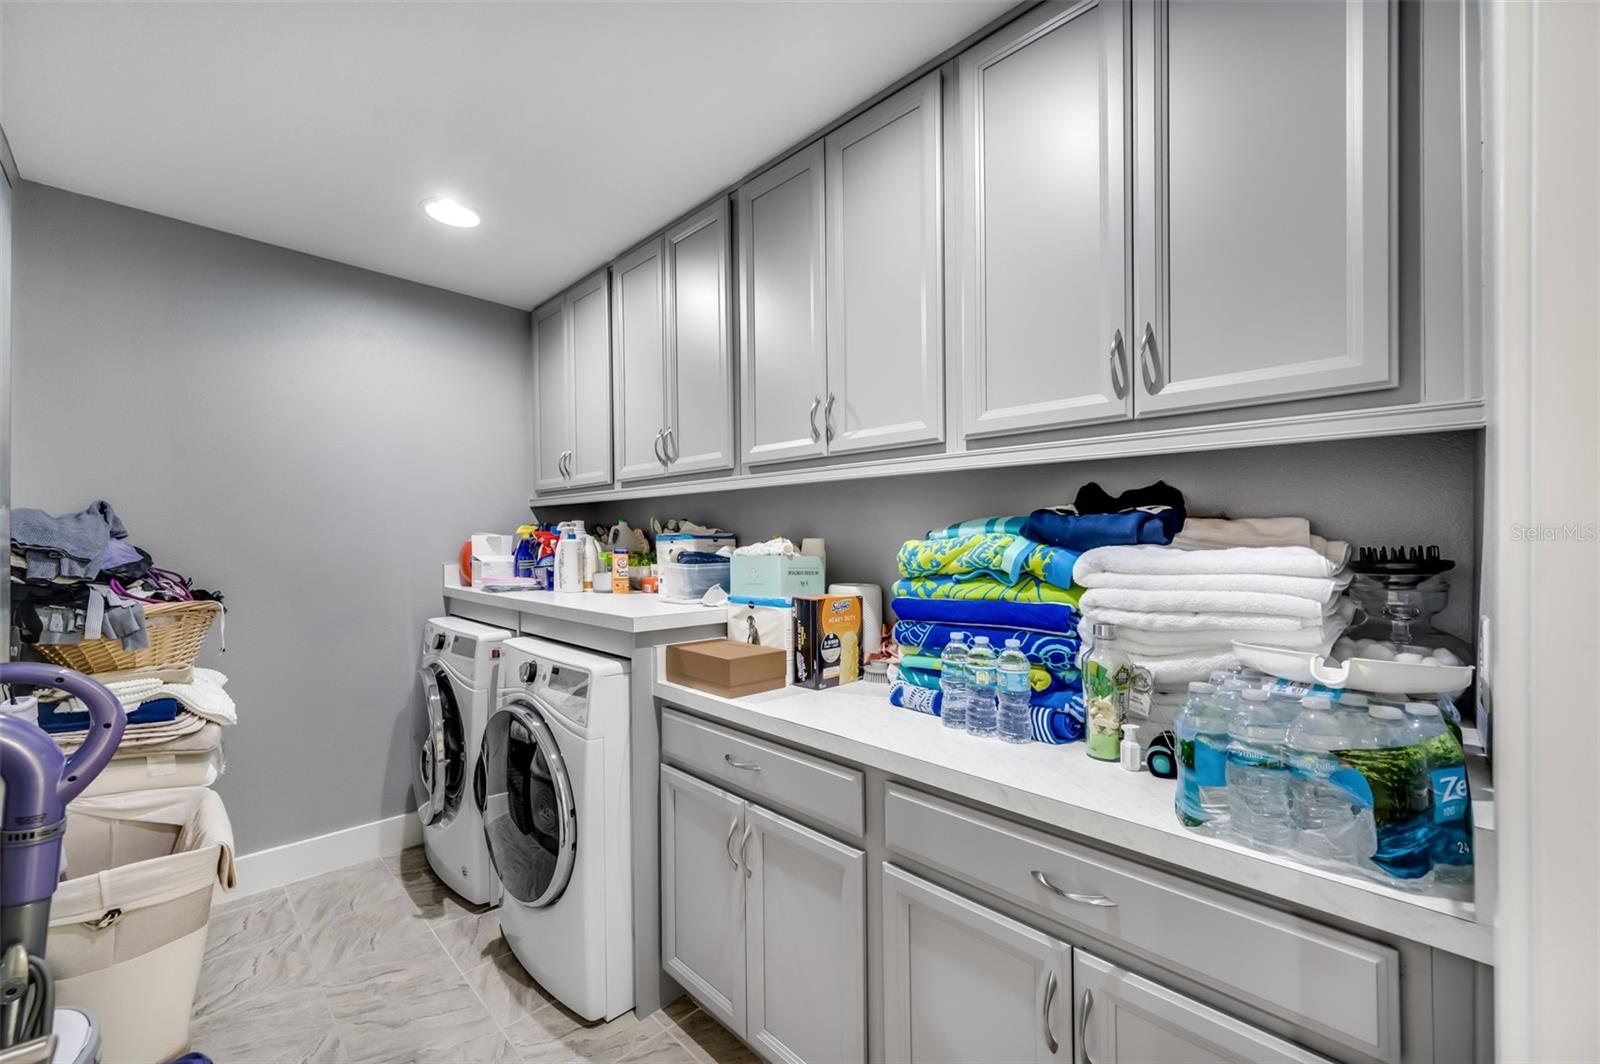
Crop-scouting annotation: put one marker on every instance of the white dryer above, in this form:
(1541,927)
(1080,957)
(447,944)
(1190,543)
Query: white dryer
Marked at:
(459,666)
(557,746)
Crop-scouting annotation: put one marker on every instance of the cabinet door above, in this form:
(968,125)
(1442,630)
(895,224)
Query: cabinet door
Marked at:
(1044,240)
(552,397)
(783,353)
(702,894)
(1264,184)
(963,983)
(1120,1016)
(589,332)
(639,361)
(699,343)
(805,927)
(885,281)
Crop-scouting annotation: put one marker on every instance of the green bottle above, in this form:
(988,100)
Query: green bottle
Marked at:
(1107,673)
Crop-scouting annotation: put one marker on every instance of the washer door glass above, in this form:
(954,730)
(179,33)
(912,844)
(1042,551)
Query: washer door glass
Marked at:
(439,761)
(533,837)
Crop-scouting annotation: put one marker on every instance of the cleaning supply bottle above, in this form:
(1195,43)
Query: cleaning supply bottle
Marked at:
(569,562)
(1015,715)
(1106,676)
(526,556)
(982,668)
(953,681)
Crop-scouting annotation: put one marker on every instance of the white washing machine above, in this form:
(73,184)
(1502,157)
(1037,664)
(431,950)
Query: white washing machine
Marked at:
(459,666)
(557,746)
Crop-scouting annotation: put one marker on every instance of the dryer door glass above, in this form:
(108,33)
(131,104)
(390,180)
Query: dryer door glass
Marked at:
(439,762)
(533,837)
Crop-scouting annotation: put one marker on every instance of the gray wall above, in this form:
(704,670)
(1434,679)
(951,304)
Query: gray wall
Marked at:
(1409,489)
(310,438)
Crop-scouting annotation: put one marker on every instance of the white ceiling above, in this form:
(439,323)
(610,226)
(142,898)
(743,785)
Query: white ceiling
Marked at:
(574,129)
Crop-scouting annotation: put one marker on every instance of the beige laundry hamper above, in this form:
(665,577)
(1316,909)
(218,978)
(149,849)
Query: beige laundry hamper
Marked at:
(128,923)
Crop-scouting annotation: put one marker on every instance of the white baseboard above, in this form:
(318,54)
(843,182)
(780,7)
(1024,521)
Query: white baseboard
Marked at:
(293,861)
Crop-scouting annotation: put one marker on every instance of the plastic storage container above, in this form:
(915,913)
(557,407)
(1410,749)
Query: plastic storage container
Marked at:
(681,582)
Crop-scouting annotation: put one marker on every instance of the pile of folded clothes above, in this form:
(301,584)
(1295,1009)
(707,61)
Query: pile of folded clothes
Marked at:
(986,578)
(1179,608)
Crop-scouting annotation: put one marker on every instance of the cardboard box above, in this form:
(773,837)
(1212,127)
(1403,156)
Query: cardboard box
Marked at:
(723,667)
(776,576)
(827,640)
(764,625)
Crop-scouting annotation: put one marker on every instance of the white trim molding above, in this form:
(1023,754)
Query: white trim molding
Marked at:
(1542,557)
(295,861)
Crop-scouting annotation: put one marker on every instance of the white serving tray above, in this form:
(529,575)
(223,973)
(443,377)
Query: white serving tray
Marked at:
(1373,675)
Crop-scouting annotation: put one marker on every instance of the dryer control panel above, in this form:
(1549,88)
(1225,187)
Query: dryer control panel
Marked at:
(563,688)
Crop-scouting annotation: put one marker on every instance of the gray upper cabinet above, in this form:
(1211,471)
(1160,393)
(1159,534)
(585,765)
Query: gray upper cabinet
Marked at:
(639,361)
(964,983)
(1044,222)
(699,435)
(1123,1018)
(885,277)
(702,894)
(572,387)
(805,952)
(783,351)
(1264,199)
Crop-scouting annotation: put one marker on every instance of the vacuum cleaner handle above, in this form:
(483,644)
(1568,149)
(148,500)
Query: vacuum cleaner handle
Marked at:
(107,719)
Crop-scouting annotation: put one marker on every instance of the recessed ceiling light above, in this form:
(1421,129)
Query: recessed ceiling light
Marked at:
(451,213)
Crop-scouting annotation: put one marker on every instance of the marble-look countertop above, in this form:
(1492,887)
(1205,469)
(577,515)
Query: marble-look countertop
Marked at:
(1062,787)
(634,612)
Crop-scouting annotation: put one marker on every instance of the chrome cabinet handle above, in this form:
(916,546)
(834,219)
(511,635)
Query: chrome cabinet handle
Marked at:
(669,443)
(1049,999)
(1119,366)
(1085,1003)
(748,766)
(743,843)
(727,844)
(816,404)
(1150,362)
(660,454)
(827,418)
(1082,899)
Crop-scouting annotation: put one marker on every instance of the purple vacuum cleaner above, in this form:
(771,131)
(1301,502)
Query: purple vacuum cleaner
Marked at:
(39,782)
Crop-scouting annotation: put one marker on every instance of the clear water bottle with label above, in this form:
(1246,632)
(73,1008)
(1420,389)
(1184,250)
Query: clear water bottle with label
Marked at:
(1446,765)
(1201,728)
(1258,773)
(1015,723)
(953,681)
(982,666)
(1332,819)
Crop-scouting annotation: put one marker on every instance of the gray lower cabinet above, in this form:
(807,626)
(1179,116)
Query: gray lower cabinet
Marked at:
(763,921)
(572,387)
(1044,222)
(1264,179)
(963,983)
(1123,1018)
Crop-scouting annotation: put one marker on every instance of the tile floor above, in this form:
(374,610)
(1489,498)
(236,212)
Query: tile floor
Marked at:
(381,962)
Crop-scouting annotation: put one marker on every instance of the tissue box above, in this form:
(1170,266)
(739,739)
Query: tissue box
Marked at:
(827,640)
(776,576)
(764,625)
(723,667)
(492,558)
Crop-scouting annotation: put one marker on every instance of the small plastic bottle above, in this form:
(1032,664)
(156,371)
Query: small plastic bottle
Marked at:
(981,663)
(1106,676)
(953,681)
(1452,802)
(1015,723)
(1258,773)
(1201,728)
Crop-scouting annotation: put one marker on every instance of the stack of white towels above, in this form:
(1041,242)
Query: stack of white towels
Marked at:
(1179,608)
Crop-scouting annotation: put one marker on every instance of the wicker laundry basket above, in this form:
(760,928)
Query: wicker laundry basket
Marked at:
(176,631)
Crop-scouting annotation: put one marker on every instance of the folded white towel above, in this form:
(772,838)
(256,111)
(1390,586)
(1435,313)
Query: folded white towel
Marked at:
(1186,601)
(1319,589)
(1136,629)
(204,697)
(1148,558)
(1217,533)
(1316,641)
(1184,668)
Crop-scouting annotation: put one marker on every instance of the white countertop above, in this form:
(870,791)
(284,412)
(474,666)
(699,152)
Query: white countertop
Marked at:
(1061,786)
(634,612)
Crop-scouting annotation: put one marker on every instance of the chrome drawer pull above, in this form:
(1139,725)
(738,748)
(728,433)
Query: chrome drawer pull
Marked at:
(727,844)
(1082,899)
(1085,1004)
(748,766)
(744,843)
(1049,999)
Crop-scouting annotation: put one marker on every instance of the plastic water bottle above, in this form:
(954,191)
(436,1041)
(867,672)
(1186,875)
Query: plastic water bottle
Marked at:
(1402,800)
(1451,801)
(982,665)
(1332,821)
(953,681)
(1015,722)
(1201,727)
(1258,774)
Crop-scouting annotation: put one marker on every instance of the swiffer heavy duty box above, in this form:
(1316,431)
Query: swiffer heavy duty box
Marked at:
(827,640)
